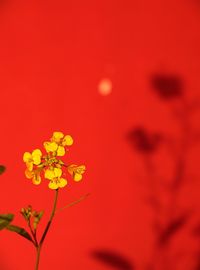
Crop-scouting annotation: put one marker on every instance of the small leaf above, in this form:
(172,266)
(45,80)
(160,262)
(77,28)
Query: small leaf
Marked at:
(5,219)
(2,169)
(20,231)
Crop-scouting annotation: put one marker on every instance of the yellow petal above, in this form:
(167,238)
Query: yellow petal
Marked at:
(49,174)
(53,185)
(74,169)
(77,177)
(57,172)
(36,160)
(36,179)
(27,157)
(57,136)
(71,168)
(67,141)
(62,182)
(50,146)
(36,155)
(81,169)
(29,174)
(29,166)
(60,151)
(36,152)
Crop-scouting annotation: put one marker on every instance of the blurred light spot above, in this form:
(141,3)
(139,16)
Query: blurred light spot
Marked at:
(105,87)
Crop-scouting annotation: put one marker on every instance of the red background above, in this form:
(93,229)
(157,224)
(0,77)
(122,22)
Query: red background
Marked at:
(53,54)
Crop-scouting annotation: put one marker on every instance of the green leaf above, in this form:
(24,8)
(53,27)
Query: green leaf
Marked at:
(20,231)
(2,169)
(5,220)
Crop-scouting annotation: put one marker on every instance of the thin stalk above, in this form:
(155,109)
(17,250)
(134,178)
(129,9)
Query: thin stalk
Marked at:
(72,203)
(33,234)
(38,248)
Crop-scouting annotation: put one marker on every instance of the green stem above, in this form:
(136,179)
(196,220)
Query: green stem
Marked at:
(72,203)
(38,248)
(33,234)
(37,257)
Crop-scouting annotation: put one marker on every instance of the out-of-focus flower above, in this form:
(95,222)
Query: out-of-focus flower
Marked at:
(167,86)
(143,141)
(34,175)
(76,171)
(33,158)
(54,175)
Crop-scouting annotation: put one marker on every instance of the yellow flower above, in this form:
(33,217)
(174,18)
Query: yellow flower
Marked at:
(50,164)
(50,147)
(76,171)
(54,175)
(57,137)
(33,158)
(61,141)
(34,175)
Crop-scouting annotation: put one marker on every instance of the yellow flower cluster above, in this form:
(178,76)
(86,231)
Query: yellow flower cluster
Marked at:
(50,163)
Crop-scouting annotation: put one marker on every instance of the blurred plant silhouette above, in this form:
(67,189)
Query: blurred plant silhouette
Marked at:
(169,218)
(143,141)
(112,259)
(167,86)
(2,169)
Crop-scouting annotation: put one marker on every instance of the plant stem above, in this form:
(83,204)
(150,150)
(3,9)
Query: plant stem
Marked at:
(73,203)
(37,257)
(38,248)
(33,234)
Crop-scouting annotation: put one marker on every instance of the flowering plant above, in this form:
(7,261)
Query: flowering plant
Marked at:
(51,167)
